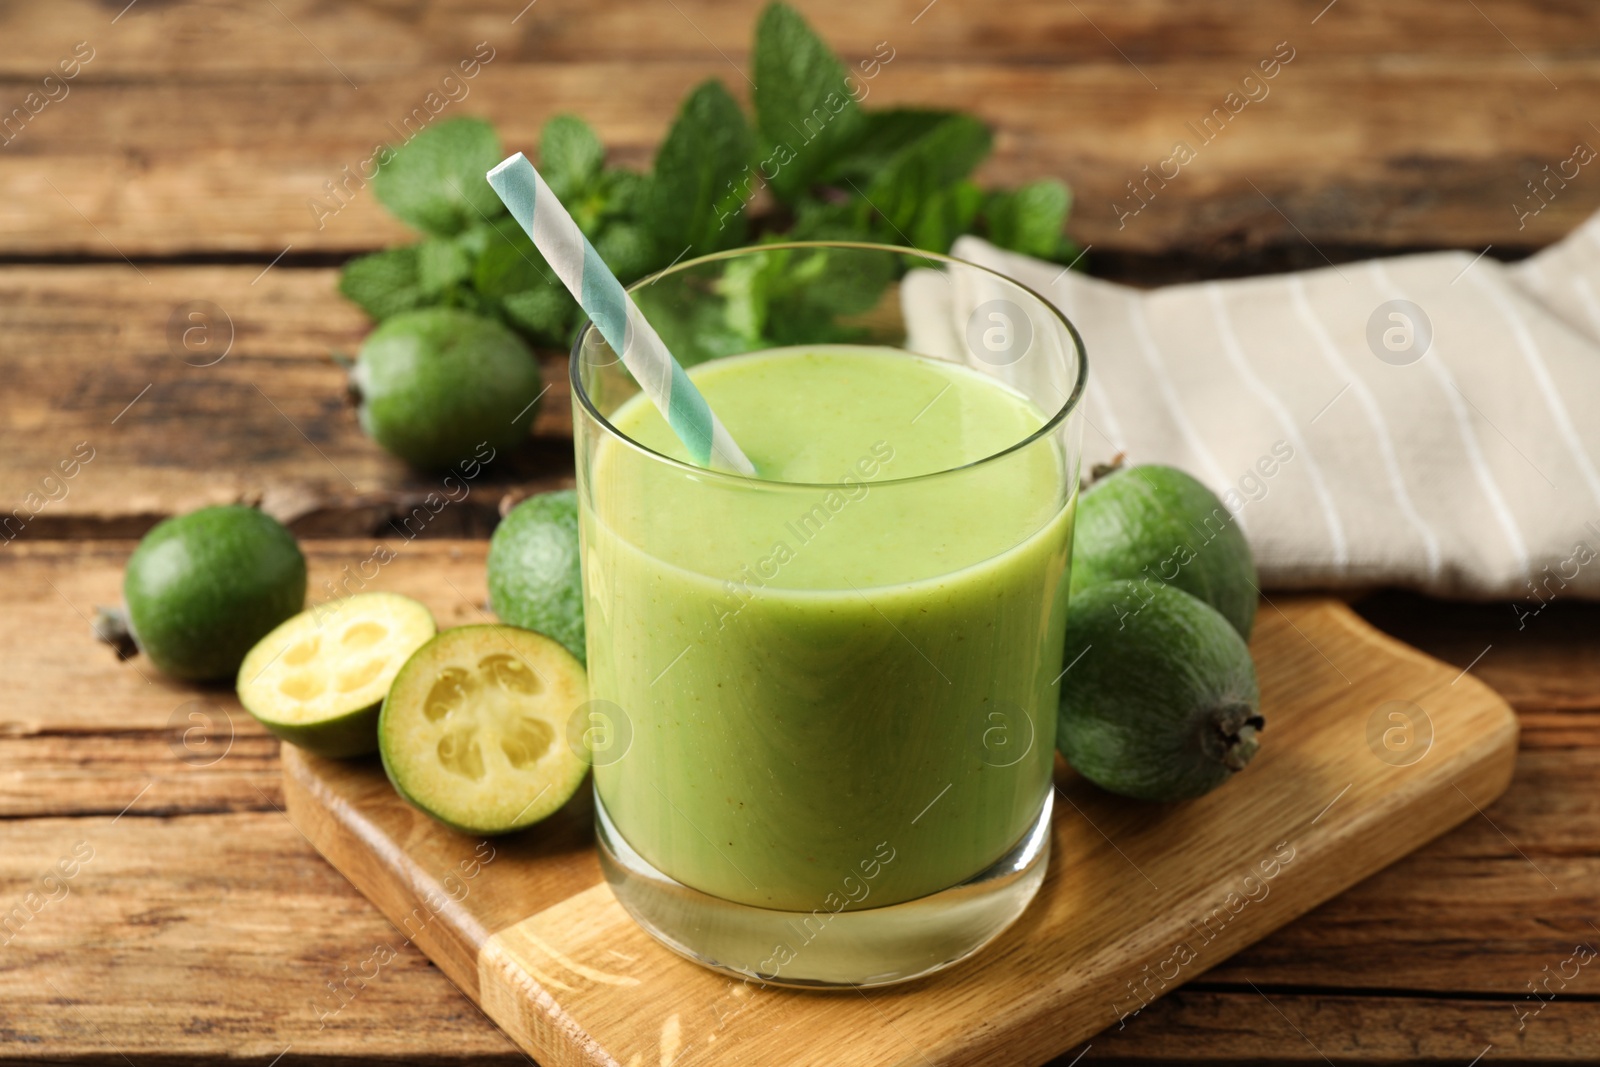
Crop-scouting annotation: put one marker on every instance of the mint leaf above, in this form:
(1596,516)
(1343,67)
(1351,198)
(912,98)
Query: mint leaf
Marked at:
(934,160)
(441,263)
(849,219)
(805,112)
(467,298)
(475,238)
(545,314)
(510,263)
(814,286)
(626,193)
(616,194)
(1029,220)
(794,295)
(627,249)
(693,329)
(745,288)
(570,156)
(511,277)
(697,191)
(384,283)
(435,181)
(946,215)
(884,135)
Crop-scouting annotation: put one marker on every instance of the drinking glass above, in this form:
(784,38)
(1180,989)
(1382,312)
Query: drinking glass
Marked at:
(826,710)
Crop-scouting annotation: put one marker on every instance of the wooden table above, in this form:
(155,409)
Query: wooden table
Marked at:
(179,168)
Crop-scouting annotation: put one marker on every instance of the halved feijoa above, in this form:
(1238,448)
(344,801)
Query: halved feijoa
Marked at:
(474,730)
(318,681)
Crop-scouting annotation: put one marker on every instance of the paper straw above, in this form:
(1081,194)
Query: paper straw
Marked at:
(614,313)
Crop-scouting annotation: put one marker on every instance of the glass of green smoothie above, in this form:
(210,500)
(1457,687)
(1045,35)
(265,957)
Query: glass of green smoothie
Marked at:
(830,690)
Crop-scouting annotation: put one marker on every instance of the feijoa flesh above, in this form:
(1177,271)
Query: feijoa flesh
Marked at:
(318,681)
(474,730)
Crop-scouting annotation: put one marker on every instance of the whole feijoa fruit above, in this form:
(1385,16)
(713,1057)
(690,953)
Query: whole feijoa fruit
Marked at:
(433,385)
(535,576)
(1161,700)
(1158,523)
(202,588)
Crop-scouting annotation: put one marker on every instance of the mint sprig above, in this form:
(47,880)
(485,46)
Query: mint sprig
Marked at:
(829,168)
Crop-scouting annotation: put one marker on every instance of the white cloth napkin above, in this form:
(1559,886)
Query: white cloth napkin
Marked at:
(1348,458)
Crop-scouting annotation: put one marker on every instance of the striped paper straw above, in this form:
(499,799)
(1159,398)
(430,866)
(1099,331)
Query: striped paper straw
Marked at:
(614,313)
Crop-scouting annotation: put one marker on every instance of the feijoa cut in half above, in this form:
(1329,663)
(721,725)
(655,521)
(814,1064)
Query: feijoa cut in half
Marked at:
(474,730)
(1160,702)
(318,681)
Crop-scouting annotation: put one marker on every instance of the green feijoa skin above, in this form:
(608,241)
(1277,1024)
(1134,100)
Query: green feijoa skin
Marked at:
(1155,522)
(318,680)
(474,729)
(202,588)
(535,576)
(438,385)
(1161,702)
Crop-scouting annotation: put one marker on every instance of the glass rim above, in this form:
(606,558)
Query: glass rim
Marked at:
(1048,427)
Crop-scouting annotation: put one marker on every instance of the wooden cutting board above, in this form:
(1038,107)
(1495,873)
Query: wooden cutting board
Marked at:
(1370,750)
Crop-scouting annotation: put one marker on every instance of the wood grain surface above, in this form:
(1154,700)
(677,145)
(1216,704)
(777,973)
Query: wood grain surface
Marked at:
(181,168)
(255,412)
(1394,125)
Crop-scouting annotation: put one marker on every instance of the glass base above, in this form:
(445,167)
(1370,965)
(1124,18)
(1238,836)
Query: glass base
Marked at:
(870,947)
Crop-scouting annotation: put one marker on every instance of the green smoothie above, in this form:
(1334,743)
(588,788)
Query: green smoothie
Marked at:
(842,678)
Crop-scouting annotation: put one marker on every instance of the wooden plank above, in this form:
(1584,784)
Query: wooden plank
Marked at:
(192,939)
(1480,911)
(109,175)
(184,768)
(201,938)
(1543,662)
(1272,1026)
(1052,980)
(66,682)
(251,43)
(91,372)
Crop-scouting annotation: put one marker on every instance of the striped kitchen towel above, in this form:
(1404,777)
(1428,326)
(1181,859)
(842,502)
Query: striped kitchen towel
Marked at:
(1428,421)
